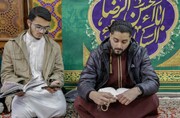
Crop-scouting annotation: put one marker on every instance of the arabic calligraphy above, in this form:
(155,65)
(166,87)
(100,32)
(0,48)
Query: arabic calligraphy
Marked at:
(151,19)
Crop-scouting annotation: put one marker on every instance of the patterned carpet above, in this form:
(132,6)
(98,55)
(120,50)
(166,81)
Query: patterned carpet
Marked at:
(168,108)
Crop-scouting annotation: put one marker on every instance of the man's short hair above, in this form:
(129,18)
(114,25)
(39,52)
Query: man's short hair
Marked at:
(40,12)
(121,26)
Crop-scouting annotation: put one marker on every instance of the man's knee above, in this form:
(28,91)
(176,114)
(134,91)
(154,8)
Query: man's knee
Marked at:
(77,103)
(21,114)
(153,99)
(62,109)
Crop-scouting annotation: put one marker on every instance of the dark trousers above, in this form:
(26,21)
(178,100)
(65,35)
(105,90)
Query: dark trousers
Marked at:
(144,107)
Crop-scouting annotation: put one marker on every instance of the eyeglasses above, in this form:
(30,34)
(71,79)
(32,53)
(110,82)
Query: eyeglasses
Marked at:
(41,28)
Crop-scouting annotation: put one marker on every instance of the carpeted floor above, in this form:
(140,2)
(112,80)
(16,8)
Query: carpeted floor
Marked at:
(168,108)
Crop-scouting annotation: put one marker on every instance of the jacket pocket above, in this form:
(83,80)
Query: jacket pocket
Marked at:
(19,63)
(135,72)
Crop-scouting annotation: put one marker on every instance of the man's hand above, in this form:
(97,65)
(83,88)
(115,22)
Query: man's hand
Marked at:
(128,96)
(102,98)
(54,86)
(21,93)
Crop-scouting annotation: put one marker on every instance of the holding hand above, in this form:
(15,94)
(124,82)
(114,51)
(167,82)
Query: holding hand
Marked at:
(128,96)
(54,86)
(102,98)
(19,94)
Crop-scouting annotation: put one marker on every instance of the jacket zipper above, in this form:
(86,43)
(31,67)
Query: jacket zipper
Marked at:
(119,72)
(105,75)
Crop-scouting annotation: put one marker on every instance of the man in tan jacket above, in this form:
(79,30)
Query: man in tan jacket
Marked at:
(34,57)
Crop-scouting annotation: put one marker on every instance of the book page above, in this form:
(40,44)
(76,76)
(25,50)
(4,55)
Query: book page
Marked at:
(121,90)
(113,91)
(10,88)
(109,90)
(31,84)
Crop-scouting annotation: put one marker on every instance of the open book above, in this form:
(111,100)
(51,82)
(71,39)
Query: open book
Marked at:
(11,88)
(113,91)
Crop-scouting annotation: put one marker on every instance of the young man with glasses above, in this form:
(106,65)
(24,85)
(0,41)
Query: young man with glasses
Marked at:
(33,57)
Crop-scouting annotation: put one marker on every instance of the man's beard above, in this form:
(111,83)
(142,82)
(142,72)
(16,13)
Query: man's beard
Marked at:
(118,53)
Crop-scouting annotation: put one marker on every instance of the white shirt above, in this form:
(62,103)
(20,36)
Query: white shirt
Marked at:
(37,102)
(35,50)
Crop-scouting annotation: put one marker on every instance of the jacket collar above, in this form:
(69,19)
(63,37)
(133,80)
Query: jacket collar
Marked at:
(106,46)
(19,40)
(47,54)
(48,48)
(133,47)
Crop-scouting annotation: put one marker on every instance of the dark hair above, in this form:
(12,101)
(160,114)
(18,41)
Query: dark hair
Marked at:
(40,12)
(121,26)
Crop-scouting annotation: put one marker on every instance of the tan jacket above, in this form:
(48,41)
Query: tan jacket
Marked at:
(15,65)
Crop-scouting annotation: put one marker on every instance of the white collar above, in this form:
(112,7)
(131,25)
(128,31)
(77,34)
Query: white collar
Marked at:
(29,38)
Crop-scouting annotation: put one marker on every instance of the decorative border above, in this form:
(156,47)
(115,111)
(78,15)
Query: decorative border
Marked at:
(166,76)
(169,79)
(169,76)
(173,61)
(72,76)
